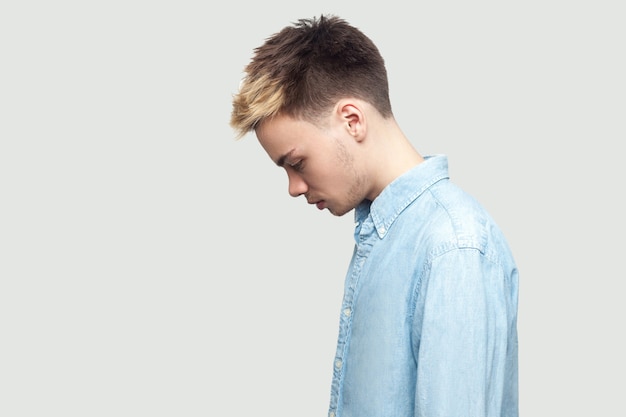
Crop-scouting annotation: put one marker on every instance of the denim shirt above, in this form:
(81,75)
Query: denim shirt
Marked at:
(428,322)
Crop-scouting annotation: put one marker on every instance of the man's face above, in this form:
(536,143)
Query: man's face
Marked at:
(319,162)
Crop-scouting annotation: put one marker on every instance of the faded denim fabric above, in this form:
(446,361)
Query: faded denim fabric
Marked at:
(428,323)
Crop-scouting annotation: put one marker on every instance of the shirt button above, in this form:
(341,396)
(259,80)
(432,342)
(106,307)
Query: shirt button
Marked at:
(382,230)
(338,364)
(331,414)
(347,312)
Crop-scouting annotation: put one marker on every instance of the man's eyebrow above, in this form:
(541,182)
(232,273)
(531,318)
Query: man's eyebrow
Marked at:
(281,161)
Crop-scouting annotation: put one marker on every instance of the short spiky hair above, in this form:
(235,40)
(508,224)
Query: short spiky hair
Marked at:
(305,68)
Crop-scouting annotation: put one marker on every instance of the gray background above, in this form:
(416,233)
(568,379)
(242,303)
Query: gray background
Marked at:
(151,265)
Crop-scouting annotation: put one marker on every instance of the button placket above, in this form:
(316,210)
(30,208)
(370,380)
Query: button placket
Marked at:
(363,235)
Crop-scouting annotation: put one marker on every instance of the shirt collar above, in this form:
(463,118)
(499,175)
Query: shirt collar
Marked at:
(401,192)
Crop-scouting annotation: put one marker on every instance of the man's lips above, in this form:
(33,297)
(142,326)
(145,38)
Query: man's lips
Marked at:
(319,204)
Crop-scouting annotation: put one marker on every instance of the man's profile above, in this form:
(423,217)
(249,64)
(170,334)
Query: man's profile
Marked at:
(428,321)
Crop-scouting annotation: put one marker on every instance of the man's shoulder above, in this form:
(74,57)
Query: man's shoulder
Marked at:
(447,216)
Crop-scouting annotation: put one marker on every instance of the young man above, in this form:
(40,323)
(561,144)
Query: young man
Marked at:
(429,314)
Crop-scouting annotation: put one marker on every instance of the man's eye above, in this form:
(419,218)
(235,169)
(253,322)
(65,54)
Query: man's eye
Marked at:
(297,165)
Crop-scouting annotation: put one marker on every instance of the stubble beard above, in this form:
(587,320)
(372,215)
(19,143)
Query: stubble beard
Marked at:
(354,193)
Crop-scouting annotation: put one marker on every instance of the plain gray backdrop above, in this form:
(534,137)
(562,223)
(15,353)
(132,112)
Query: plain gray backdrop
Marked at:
(151,265)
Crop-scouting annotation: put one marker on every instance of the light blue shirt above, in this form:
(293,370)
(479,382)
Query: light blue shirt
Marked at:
(428,323)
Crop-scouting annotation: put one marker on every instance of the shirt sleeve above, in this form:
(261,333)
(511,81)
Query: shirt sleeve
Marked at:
(463,335)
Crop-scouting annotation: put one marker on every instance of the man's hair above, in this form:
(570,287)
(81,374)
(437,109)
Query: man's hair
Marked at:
(305,69)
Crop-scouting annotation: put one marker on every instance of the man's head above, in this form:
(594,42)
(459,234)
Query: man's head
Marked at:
(304,69)
(316,95)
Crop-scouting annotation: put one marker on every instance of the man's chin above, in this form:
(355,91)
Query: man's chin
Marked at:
(338,213)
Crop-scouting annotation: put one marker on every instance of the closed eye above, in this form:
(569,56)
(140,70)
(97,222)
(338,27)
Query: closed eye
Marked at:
(298,166)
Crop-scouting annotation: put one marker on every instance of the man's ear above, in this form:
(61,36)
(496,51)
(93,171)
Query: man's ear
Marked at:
(352,117)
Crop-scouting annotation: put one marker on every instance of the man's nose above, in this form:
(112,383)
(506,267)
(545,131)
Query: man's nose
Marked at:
(297,186)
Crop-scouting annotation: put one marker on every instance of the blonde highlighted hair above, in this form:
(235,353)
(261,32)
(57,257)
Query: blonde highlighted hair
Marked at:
(305,68)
